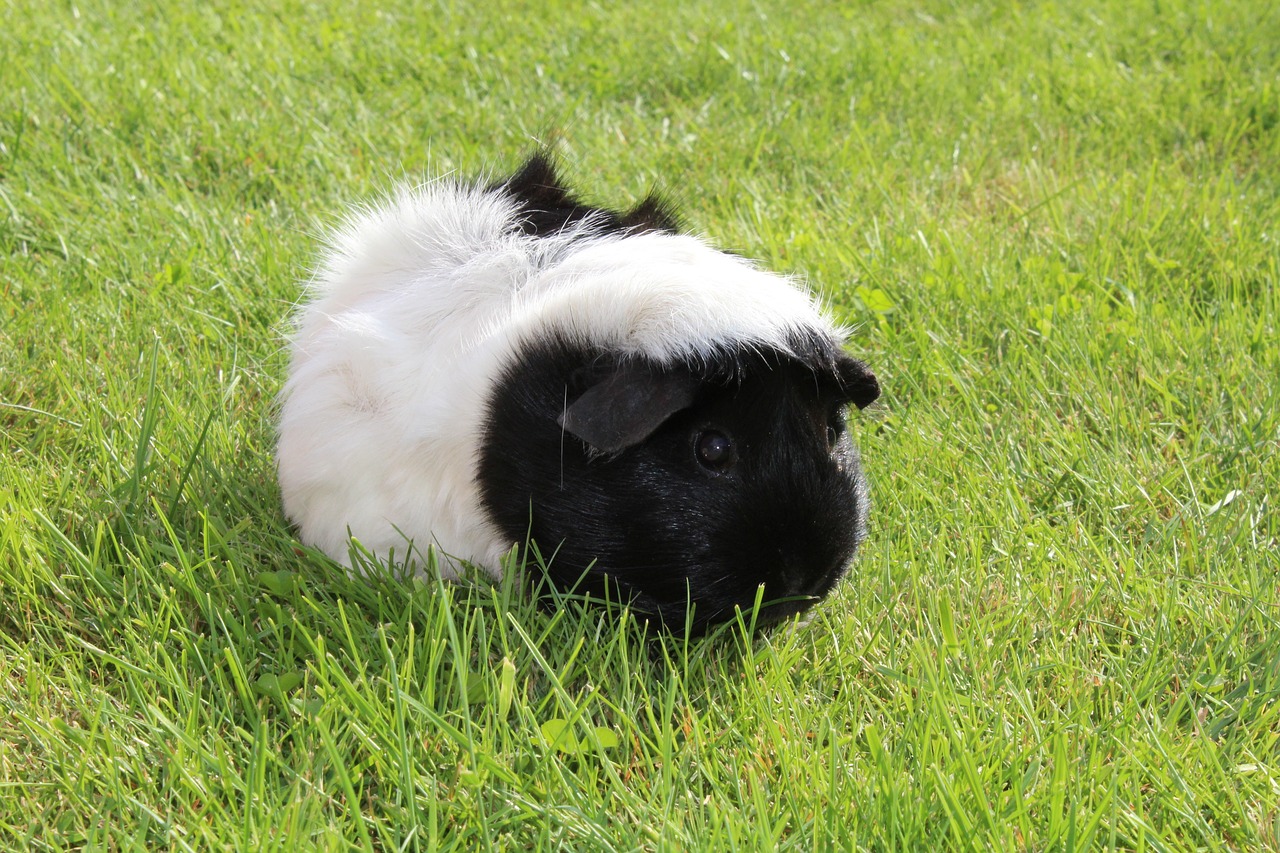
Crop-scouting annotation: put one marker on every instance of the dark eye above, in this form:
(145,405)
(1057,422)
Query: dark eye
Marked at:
(714,450)
(835,428)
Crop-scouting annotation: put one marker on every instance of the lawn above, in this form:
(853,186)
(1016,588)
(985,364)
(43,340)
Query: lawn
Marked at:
(1057,230)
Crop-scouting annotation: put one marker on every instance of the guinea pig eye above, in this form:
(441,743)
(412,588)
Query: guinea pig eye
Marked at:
(714,450)
(835,428)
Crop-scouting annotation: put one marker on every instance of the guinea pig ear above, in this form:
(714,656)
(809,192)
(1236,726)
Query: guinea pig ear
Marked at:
(624,408)
(857,381)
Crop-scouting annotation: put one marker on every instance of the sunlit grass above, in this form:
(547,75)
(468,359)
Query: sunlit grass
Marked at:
(1056,229)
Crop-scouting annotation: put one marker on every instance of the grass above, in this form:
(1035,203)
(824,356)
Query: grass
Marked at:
(1056,226)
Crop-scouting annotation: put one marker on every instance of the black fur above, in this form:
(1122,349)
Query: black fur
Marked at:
(637,517)
(547,206)
(653,525)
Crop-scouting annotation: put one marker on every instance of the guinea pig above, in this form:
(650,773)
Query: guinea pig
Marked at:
(478,365)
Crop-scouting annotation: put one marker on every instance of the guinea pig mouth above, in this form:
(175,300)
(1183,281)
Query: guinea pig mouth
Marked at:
(701,616)
(774,612)
(797,591)
(794,602)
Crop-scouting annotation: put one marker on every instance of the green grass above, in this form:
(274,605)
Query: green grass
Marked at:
(1057,227)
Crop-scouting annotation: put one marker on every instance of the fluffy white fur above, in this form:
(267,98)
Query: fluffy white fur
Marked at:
(415,311)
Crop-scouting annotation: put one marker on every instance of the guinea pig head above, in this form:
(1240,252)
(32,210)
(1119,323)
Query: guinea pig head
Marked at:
(683,485)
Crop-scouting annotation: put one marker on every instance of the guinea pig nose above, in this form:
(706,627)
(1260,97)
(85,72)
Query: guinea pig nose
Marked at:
(793,578)
(806,575)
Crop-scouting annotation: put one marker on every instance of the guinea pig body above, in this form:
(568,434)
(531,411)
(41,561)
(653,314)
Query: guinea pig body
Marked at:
(477,364)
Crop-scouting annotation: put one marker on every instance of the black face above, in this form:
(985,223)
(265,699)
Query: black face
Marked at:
(754,483)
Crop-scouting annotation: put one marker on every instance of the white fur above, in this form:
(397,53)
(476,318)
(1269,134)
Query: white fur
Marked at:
(415,311)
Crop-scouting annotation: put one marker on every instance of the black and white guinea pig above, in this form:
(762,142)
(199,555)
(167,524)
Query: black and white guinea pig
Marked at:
(480,364)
